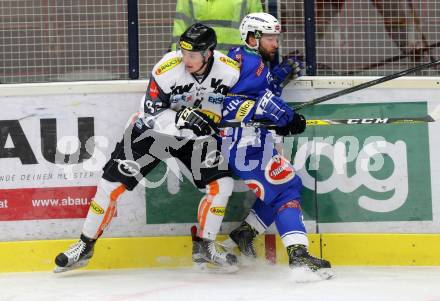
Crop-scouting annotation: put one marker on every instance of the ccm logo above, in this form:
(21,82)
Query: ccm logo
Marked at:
(367,120)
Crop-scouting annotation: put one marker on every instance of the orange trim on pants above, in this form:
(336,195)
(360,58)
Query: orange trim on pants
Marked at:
(213,188)
(111,210)
(205,205)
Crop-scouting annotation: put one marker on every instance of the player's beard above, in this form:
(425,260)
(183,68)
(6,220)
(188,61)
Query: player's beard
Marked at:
(266,55)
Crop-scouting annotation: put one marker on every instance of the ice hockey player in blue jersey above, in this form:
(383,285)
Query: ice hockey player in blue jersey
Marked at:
(252,153)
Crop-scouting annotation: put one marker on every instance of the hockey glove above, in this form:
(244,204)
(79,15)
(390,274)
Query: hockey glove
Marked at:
(198,122)
(296,126)
(289,69)
(273,108)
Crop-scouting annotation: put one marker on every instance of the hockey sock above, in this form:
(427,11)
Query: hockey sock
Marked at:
(290,225)
(212,207)
(102,208)
(261,216)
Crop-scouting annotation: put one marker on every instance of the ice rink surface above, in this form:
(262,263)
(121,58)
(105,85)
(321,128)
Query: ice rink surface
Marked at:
(258,283)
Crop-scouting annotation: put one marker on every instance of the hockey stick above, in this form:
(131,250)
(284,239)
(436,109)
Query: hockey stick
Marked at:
(364,85)
(396,58)
(431,117)
(340,93)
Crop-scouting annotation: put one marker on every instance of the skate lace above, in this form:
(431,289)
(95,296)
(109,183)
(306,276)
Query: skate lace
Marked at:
(248,245)
(245,238)
(76,250)
(305,258)
(215,254)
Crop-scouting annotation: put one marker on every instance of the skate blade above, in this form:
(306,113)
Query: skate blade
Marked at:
(305,274)
(74,266)
(231,247)
(228,244)
(207,267)
(325,274)
(246,261)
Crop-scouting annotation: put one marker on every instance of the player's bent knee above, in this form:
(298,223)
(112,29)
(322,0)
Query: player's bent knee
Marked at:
(225,186)
(121,170)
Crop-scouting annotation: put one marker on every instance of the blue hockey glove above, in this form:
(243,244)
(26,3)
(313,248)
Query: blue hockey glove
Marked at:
(269,106)
(287,70)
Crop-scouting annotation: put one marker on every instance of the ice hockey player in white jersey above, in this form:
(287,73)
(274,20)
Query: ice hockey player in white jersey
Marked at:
(181,107)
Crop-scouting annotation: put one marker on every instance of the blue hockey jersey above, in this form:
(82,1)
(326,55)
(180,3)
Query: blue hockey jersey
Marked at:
(254,72)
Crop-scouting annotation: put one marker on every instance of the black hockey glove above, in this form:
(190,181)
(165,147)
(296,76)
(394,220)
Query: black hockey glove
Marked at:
(296,126)
(198,122)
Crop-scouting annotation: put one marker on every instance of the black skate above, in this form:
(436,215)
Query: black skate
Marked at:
(243,237)
(77,256)
(208,255)
(314,268)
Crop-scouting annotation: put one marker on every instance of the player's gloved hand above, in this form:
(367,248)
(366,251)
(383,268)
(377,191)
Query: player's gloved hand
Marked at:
(271,107)
(296,126)
(287,70)
(198,122)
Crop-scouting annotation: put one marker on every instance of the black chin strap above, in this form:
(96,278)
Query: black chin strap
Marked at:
(208,69)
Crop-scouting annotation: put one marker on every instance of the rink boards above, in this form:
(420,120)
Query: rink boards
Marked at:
(175,251)
(46,182)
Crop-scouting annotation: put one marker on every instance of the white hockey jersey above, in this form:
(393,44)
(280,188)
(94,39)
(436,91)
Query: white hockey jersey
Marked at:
(172,87)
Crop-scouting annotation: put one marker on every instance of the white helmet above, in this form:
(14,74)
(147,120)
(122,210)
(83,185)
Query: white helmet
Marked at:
(259,23)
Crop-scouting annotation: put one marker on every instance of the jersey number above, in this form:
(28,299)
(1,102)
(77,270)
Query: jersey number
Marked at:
(149,107)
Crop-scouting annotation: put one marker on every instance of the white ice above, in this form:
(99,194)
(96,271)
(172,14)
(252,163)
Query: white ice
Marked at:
(261,283)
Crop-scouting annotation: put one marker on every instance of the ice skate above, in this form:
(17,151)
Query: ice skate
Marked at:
(77,256)
(314,268)
(243,237)
(210,256)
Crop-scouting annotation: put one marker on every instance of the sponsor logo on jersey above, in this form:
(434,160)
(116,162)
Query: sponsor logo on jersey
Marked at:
(239,59)
(168,65)
(260,69)
(216,99)
(185,45)
(256,187)
(232,105)
(175,90)
(230,62)
(220,211)
(96,208)
(218,86)
(279,170)
(154,90)
(244,109)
